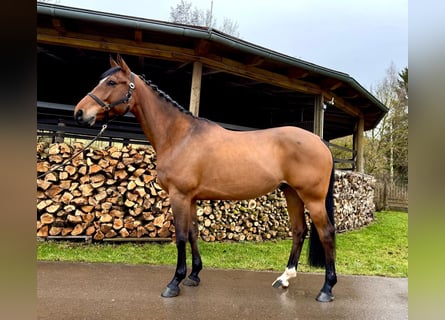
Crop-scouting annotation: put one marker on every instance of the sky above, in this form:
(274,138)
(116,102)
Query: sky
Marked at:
(361,38)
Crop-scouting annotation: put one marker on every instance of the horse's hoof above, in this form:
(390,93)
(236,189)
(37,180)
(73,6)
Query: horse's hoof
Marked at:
(279,283)
(191,282)
(170,292)
(324,297)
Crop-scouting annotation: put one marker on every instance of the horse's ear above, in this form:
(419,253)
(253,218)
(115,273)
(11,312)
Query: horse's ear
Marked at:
(113,63)
(122,63)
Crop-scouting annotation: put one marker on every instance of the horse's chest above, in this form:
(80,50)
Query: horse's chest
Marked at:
(176,177)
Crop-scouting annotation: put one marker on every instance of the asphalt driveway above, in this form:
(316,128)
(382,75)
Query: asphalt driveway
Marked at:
(118,291)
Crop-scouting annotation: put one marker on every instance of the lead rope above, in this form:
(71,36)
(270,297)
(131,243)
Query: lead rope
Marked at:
(104,126)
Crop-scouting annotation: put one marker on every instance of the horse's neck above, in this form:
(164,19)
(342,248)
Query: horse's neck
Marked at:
(162,123)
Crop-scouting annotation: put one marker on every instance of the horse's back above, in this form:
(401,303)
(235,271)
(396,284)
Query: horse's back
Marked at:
(276,147)
(284,143)
(225,164)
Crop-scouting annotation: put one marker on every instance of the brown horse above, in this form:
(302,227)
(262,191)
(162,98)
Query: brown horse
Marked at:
(198,159)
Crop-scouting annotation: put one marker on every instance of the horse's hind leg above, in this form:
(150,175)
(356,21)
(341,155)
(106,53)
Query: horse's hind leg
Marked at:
(326,234)
(295,208)
(193,278)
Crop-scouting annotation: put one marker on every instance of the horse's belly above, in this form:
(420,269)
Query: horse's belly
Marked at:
(236,181)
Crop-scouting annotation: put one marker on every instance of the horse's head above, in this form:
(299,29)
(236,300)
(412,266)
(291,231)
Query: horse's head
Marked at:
(110,98)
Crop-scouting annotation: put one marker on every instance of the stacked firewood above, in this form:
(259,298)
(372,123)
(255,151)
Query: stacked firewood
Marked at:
(258,219)
(113,193)
(101,193)
(353,200)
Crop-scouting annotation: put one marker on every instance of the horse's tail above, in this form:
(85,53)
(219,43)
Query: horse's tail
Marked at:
(316,255)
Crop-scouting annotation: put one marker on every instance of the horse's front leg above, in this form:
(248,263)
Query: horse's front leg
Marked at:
(295,208)
(193,279)
(181,215)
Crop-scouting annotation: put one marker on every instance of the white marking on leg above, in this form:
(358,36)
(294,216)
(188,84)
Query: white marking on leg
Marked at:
(288,274)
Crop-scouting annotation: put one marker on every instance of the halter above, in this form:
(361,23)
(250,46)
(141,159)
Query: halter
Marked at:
(109,106)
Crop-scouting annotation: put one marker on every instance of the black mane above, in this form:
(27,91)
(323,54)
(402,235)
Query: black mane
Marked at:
(161,93)
(166,96)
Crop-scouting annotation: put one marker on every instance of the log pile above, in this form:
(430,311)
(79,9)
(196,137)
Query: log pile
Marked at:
(101,193)
(353,200)
(258,219)
(113,193)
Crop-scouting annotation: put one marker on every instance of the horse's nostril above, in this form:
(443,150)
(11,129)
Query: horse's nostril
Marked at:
(78,115)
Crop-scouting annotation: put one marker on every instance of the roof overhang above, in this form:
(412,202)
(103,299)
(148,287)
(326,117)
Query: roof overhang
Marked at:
(69,34)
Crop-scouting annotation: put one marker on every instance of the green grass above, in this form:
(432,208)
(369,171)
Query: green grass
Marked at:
(379,249)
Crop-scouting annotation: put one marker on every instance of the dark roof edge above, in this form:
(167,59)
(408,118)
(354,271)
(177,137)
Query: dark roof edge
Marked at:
(200,33)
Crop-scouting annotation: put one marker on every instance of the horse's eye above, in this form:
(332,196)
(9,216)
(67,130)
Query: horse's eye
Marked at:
(111,83)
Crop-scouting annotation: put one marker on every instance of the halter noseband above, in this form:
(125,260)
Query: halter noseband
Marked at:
(109,106)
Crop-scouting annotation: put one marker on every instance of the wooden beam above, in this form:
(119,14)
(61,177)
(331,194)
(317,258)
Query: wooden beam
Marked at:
(319,115)
(336,85)
(98,43)
(295,73)
(202,48)
(211,71)
(58,25)
(254,61)
(358,142)
(196,88)
(216,62)
(352,96)
(342,104)
(331,84)
(164,52)
(261,75)
(138,36)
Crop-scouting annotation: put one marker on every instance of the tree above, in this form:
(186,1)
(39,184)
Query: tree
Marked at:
(403,82)
(400,127)
(386,150)
(230,27)
(186,14)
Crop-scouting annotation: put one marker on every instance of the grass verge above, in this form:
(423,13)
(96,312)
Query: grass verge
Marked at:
(379,249)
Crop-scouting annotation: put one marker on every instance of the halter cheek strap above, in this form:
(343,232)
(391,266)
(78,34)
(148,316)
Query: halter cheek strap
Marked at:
(126,99)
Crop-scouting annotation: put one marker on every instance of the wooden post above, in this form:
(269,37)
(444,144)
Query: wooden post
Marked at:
(196,88)
(319,115)
(358,144)
(60,133)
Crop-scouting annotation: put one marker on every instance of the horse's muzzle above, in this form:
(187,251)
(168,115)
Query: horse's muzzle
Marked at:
(79,117)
